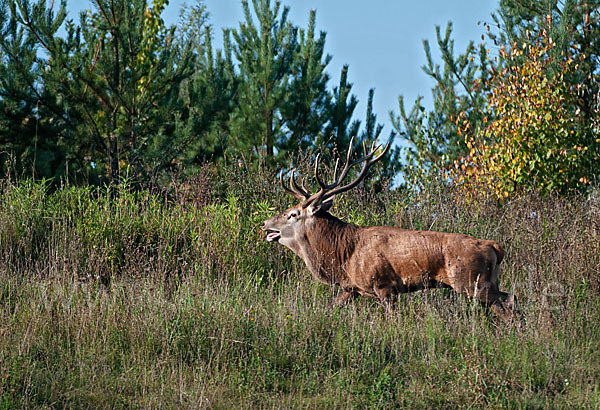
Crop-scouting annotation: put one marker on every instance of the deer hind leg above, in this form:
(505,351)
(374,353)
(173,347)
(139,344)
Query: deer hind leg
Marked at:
(484,287)
(501,303)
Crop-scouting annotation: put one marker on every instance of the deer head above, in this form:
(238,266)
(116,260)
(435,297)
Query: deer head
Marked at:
(289,227)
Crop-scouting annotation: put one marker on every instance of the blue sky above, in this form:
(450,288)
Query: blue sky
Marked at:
(381,40)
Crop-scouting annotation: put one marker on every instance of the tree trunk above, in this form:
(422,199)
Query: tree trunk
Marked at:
(114,143)
(269,134)
(113,157)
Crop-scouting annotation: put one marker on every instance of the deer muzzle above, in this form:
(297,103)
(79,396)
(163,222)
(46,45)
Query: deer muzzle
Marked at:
(273,235)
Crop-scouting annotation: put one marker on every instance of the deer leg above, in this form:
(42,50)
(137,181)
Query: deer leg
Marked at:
(485,289)
(384,294)
(501,303)
(347,296)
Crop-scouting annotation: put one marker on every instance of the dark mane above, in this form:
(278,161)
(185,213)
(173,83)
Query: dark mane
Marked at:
(333,242)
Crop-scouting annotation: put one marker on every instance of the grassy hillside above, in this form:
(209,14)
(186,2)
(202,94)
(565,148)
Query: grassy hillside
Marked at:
(130,299)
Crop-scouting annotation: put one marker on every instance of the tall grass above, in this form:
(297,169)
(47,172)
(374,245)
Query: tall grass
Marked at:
(115,298)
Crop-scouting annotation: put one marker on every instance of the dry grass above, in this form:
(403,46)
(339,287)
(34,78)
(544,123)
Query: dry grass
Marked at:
(132,300)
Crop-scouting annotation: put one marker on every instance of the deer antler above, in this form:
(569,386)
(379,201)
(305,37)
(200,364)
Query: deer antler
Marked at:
(299,193)
(330,190)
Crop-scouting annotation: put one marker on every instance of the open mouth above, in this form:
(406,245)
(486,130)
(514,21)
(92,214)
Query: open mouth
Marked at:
(273,235)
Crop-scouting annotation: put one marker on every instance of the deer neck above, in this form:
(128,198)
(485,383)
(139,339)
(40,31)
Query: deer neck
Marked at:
(326,246)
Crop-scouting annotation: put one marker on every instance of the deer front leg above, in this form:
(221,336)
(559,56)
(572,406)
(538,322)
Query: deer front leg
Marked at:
(385,294)
(347,296)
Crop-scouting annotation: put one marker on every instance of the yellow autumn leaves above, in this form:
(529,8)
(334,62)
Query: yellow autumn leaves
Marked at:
(534,136)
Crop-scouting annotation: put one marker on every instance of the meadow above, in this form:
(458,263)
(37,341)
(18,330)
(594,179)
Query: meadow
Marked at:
(133,298)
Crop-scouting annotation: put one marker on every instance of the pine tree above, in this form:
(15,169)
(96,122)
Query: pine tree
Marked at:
(33,135)
(208,100)
(118,72)
(265,52)
(433,138)
(122,91)
(282,90)
(370,134)
(340,127)
(304,111)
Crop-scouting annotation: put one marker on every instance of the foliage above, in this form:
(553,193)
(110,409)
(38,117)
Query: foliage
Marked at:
(305,110)
(34,137)
(334,141)
(536,138)
(462,92)
(154,35)
(208,96)
(573,26)
(283,101)
(119,94)
(340,128)
(432,138)
(265,51)
(113,79)
(277,106)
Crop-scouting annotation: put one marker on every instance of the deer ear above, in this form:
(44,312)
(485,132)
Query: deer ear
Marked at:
(322,206)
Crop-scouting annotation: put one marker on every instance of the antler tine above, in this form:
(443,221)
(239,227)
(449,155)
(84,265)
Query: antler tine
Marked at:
(289,191)
(292,189)
(368,161)
(337,162)
(302,191)
(319,181)
(350,163)
(350,150)
(373,147)
(336,180)
(328,191)
(347,166)
(303,187)
(385,150)
(324,187)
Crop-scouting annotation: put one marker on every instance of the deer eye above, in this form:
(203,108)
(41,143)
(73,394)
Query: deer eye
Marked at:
(292,215)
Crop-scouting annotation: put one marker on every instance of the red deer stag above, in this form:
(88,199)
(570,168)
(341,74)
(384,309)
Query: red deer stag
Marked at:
(383,261)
